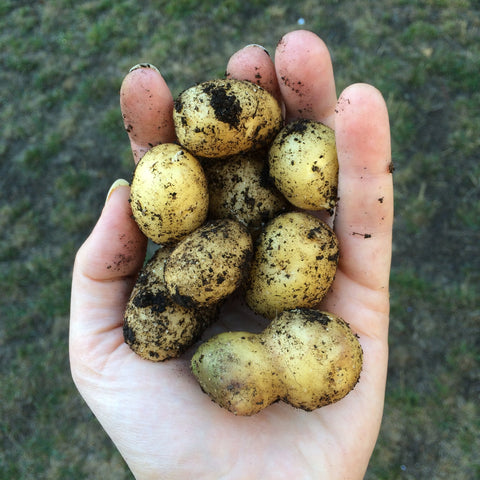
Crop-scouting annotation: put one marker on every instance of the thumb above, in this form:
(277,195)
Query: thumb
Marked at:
(106,267)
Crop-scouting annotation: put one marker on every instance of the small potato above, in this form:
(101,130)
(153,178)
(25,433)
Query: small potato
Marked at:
(294,264)
(240,188)
(209,264)
(303,164)
(305,357)
(155,327)
(219,118)
(169,193)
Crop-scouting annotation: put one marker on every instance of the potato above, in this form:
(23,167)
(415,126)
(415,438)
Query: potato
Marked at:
(209,264)
(155,327)
(219,118)
(294,264)
(305,357)
(169,193)
(241,189)
(303,164)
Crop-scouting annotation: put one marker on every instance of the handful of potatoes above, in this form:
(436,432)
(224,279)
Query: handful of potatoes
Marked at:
(224,207)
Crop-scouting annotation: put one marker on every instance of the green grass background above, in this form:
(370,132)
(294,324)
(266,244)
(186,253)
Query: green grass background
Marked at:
(62,144)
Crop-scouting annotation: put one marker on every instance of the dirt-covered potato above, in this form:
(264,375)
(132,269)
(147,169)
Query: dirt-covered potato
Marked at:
(155,327)
(219,118)
(169,193)
(209,264)
(241,189)
(305,357)
(303,164)
(294,264)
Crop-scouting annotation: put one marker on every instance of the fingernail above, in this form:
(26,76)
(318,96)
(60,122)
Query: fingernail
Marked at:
(259,46)
(144,65)
(117,183)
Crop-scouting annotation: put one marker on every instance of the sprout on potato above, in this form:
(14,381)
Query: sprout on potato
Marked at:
(169,193)
(305,357)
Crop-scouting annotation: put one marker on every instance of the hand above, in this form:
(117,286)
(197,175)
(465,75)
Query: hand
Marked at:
(162,423)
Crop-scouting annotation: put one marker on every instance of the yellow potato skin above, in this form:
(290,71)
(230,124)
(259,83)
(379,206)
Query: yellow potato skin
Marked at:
(322,358)
(168,193)
(304,166)
(155,327)
(305,357)
(209,264)
(219,118)
(231,369)
(240,188)
(294,264)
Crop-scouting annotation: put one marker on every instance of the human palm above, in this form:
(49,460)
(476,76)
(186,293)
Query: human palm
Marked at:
(157,416)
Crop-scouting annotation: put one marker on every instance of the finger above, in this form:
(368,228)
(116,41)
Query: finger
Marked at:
(305,75)
(147,105)
(364,215)
(365,207)
(253,63)
(105,269)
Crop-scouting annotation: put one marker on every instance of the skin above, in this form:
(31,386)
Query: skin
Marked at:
(156,414)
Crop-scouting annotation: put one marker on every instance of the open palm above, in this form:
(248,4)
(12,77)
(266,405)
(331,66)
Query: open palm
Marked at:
(162,423)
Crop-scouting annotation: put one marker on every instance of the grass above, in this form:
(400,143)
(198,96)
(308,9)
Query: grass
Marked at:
(62,144)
